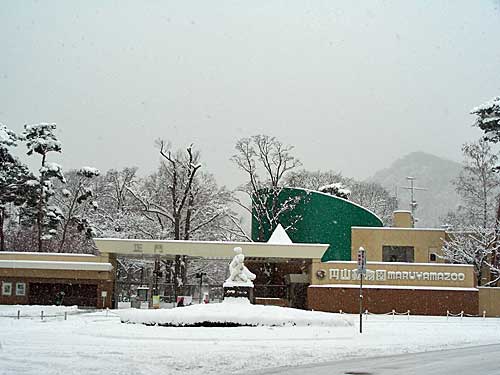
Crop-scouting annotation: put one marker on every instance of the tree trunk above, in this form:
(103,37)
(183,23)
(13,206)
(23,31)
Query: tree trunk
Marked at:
(2,238)
(39,216)
(68,218)
(180,275)
(39,220)
(494,255)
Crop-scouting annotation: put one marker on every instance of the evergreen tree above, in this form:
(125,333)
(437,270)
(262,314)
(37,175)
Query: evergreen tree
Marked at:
(41,139)
(13,178)
(488,119)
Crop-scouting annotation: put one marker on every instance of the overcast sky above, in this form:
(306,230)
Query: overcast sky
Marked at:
(352,85)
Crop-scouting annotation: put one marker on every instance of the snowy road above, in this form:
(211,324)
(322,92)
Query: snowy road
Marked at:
(478,360)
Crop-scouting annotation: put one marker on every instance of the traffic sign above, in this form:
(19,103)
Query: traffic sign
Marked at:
(362,261)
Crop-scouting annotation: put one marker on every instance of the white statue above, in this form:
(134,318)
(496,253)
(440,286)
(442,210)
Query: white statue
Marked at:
(238,273)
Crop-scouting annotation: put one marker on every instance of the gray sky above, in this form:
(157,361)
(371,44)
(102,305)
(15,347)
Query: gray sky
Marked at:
(353,85)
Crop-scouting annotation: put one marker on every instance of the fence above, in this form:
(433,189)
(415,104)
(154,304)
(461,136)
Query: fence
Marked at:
(42,315)
(460,315)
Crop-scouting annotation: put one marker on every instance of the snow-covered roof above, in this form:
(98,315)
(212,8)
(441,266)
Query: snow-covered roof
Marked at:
(220,249)
(56,265)
(280,236)
(46,254)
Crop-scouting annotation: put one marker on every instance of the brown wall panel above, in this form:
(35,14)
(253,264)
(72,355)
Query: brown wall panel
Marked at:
(379,301)
(102,285)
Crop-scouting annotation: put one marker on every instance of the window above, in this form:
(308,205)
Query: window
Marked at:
(20,289)
(6,289)
(398,254)
(432,257)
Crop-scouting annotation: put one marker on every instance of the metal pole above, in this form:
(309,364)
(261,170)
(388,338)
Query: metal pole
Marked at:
(361,304)
(201,284)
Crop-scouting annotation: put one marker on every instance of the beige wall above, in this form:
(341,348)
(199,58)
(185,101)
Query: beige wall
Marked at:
(58,273)
(459,276)
(489,301)
(402,219)
(425,241)
(50,257)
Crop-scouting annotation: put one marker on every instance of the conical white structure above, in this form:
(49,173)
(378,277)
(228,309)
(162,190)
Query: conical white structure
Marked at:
(279,237)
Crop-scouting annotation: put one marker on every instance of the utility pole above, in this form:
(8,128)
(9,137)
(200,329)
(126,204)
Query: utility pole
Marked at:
(413,202)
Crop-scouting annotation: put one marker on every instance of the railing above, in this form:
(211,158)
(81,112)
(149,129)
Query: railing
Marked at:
(461,314)
(449,314)
(393,313)
(42,315)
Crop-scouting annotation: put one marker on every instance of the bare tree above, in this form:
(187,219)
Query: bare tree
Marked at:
(72,201)
(266,161)
(474,246)
(118,213)
(478,183)
(375,198)
(183,202)
(370,195)
(488,120)
(313,180)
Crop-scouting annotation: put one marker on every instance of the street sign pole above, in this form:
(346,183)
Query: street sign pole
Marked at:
(361,304)
(361,272)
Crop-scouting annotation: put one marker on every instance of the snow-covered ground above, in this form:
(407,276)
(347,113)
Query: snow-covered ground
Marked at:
(97,343)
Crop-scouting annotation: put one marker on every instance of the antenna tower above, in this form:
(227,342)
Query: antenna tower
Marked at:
(413,202)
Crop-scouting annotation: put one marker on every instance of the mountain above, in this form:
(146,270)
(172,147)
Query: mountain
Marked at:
(431,172)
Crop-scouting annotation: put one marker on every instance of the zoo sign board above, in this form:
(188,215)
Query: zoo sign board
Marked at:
(346,274)
(400,274)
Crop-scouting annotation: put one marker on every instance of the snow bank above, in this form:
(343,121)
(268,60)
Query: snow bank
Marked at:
(232,312)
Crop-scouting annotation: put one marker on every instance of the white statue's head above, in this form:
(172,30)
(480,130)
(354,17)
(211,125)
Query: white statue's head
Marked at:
(238,250)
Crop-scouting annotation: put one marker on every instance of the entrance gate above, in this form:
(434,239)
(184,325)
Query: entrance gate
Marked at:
(261,258)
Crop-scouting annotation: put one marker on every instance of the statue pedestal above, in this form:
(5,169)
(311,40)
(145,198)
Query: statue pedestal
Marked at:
(238,290)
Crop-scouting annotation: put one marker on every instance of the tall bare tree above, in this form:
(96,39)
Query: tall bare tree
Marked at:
(184,202)
(478,183)
(266,161)
(488,120)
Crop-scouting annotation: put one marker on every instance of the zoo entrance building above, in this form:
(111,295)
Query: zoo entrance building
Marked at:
(312,269)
